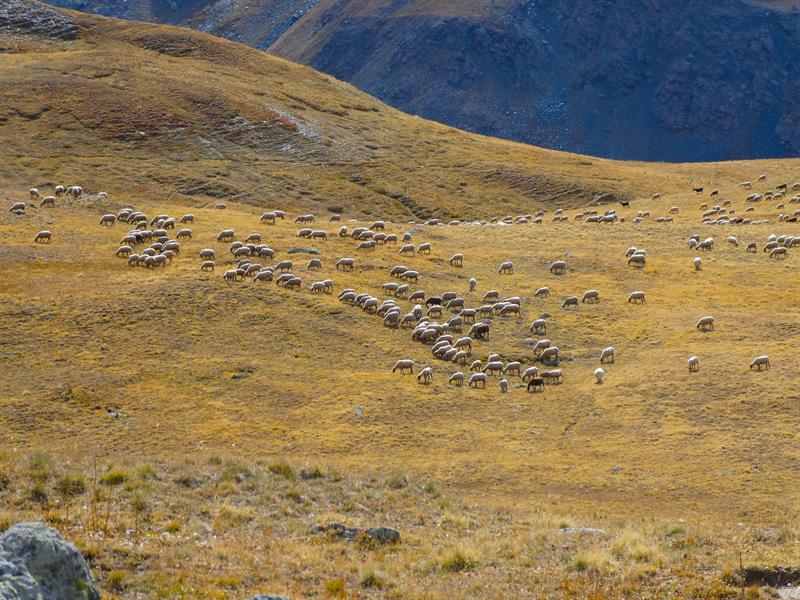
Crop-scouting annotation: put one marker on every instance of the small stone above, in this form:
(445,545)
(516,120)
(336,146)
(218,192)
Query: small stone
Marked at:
(385,535)
(616,469)
(545,316)
(358,410)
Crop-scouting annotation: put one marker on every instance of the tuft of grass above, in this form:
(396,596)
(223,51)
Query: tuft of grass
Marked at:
(372,581)
(116,580)
(114,477)
(282,468)
(71,486)
(311,473)
(397,481)
(40,466)
(38,493)
(335,588)
(458,560)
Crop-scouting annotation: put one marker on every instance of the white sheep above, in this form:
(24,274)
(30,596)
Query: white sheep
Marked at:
(694,364)
(504,386)
(607,355)
(599,374)
(706,324)
(543,292)
(477,378)
(636,298)
(457,260)
(456,379)
(530,373)
(43,237)
(473,284)
(425,376)
(506,268)
(761,361)
(591,297)
(698,263)
(559,267)
(539,326)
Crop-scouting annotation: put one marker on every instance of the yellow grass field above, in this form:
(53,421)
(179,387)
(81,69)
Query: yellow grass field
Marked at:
(105,366)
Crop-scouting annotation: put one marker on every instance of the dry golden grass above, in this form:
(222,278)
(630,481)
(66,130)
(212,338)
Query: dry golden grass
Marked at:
(122,366)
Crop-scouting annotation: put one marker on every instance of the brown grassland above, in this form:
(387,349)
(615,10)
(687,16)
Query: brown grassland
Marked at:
(149,414)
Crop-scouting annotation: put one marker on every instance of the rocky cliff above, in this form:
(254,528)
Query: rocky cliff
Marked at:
(647,79)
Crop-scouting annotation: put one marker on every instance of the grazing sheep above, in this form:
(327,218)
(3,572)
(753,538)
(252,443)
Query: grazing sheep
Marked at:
(457,260)
(48,202)
(636,298)
(752,247)
(424,248)
(318,235)
(345,264)
(407,249)
(570,302)
(550,353)
(368,245)
(698,263)
(124,251)
(59,191)
(314,264)
(591,297)
(506,268)
(553,376)
(184,234)
(637,261)
(607,356)
(473,284)
(230,275)
(304,219)
(456,379)
(539,326)
(543,292)
(761,361)
(43,237)
(403,365)
(378,226)
(504,386)
(17,206)
(108,220)
(732,241)
(491,296)
(34,194)
(410,276)
(529,373)
(226,235)
(559,267)
(536,383)
(207,265)
(477,378)
(335,218)
(706,324)
(479,331)
(599,374)
(512,368)
(425,376)
(540,346)
(694,364)
(284,266)
(779,252)
(207,253)
(268,217)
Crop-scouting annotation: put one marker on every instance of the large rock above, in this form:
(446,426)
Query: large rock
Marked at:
(36,563)
(36,20)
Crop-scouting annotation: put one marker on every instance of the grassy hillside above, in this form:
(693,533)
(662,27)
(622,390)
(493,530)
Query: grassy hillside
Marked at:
(108,367)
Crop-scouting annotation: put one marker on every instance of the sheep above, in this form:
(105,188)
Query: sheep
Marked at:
(410,276)
(133,260)
(540,346)
(477,378)
(536,383)
(553,376)
(226,235)
(780,252)
(706,324)
(599,373)
(424,248)
(34,194)
(345,264)
(368,245)
(230,275)
(407,249)
(550,354)
(43,237)
(304,233)
(506,268)
(673,210)
(457,260)
(543,292)
(318,234)
(48,202)
(607,356)
(571,301)
(318,288)
(479,331)
(732,241)
(752,247)
(636,298)
(456,304)
(402,365)
(539,326)
(761,361)
(208,265)
(417,296)
(435,311)
(124,251)
(591,297)
(559,267)
(17,206)
(304,219)
(293,284)
(637,261)
(314,264)
(655,196)
(530,373)
(491,296)
(108,220)
(425,376)
(694,364)
(378,226)
(512,368)
(184,234)
(242,251)
(59,191)
(473,284)
(284,266)
(706,244)
(762,178)
(504,386)
(456,379)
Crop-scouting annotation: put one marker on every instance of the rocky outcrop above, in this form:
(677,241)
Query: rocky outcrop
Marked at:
(646,79)
(36,20)
(36,562)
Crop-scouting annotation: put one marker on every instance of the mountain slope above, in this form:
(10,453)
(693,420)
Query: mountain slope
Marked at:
(619,78)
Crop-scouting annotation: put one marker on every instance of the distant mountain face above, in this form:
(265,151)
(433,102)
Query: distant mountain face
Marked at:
(677,80)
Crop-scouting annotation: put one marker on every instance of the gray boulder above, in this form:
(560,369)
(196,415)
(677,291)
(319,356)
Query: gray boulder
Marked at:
(35,553)
(269,597)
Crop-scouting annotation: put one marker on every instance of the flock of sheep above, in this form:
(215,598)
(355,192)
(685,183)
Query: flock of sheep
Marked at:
(149,244)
